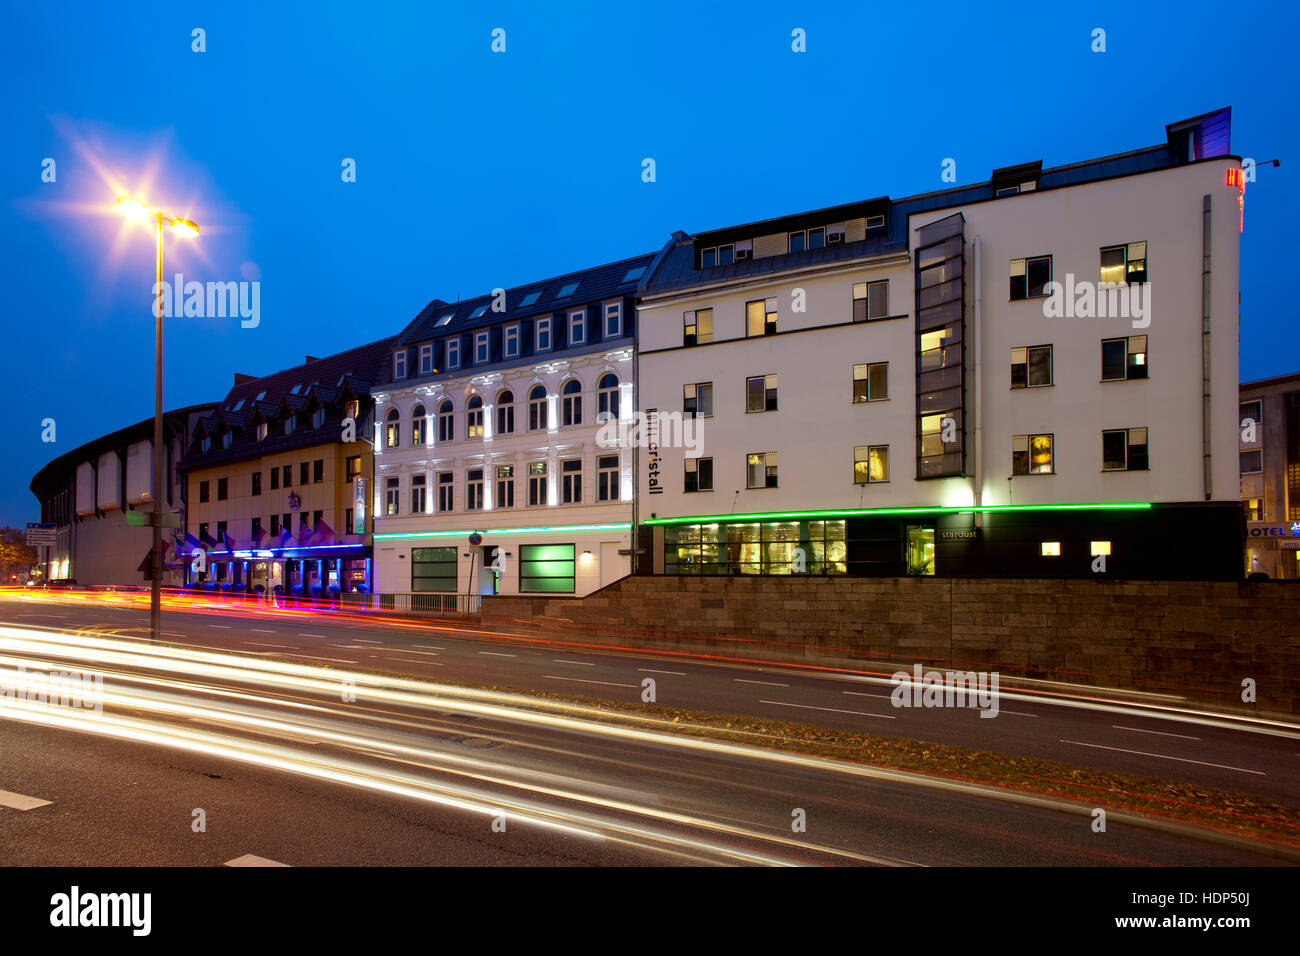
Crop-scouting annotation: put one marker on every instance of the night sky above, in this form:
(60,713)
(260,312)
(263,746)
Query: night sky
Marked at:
(478,169)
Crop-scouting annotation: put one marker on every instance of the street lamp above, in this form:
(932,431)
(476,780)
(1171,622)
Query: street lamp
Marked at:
(135,208)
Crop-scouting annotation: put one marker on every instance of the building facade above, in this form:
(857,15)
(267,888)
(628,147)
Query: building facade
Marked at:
(278,478)
(1032,376)
(94,493)
(490,475)
(1269,438)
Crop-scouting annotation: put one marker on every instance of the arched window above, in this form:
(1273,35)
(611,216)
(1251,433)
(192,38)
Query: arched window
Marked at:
(506,413)
(607,397)
(446,423)
(419,425)
(537,408)
(474,417)
(393,429)
(571,413)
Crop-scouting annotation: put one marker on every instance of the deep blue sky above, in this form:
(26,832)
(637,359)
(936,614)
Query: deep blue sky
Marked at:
(478,170)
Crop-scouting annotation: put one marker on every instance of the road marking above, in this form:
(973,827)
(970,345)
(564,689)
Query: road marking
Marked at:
(649,670)
(17,801)
(768,683)
(1158,733)
(259,630)
(362,640)
(856,693)
(412,660)
(352,647)
(834,710)
(432,647)
(336,660)
(560,660)
(224,627)
(421,653)
(321,636)
(1258,773)
(1013,713)
(257,644)
(249,860)
(495,654)
(581,681)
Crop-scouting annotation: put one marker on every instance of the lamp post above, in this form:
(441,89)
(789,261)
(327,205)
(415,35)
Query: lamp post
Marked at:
(138,209)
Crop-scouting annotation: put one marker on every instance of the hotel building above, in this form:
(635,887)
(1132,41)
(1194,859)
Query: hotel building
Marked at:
(489,475)
(1269,435)
(278,479)
(896,386)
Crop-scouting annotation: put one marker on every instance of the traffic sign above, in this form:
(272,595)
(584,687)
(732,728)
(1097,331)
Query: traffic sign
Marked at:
(42,534)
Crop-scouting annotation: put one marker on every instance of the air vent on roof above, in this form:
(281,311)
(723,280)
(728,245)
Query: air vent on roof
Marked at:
(633,274)
(529,299)
(567,291)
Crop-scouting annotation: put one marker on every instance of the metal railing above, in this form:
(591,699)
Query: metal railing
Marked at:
(417,603)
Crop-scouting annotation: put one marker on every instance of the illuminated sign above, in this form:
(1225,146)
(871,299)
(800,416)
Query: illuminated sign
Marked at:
(652,451)
(358,505)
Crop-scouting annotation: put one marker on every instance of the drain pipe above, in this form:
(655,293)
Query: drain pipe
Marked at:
(1205,345)
(977,394)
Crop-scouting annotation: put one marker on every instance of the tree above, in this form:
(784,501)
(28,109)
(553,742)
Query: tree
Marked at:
(16,556)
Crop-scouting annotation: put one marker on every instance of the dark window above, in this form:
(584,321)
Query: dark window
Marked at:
(760,392)
(1124,449)
(222,489)
(697,400)
(318,470)
(257,482)
(1252,462)
(505,413)
(287,477)
(1123,359)
(870,300)
(445,482)
(571,472)
(275,478)
(572,403)
(304,473)
(697,327)
(1029,277)
(871,382)
(537,417)
(607,484)
(203,491)
(256,530)
(1031,367)
(699,474)
(505,486)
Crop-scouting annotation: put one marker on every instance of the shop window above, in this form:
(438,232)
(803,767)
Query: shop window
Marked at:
(1051,549)
(433,569)
(546,568)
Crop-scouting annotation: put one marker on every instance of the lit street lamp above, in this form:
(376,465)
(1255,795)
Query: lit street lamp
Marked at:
(138,209)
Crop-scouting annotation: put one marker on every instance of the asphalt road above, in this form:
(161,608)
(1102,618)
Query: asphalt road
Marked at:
(1156,736)
(290,770)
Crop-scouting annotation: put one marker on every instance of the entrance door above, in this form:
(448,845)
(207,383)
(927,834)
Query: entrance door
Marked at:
(487,576)
(920,549)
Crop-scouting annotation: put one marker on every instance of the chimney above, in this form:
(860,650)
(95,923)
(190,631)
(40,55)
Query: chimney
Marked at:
(309,359)
(241,378)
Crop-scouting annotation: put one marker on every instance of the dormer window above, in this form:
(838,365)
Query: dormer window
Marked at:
(577,327)
(261,431)
(875,222)
(806,239)
(482,352)
(510,341)
(352,409)
(543,335)
(227,438)
(426,358)
(205,443)
(291,424)
(318,418)
(453,353)
(717,256)
(399,365)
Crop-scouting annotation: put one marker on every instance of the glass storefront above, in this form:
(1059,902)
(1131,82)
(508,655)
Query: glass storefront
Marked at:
(770,547)
(920,549)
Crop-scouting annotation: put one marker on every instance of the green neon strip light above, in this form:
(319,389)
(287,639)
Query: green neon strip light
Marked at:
(450,534)
(867,512)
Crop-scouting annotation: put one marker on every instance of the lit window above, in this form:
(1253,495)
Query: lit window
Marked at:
(1051,549)
(870,464)
(698,327)
(1031,455)
(474,417)
(1123,359)
(392,429)
(760,317)
(1099,548)
(761,470)
(537,483)
(419,425)
(1122,264)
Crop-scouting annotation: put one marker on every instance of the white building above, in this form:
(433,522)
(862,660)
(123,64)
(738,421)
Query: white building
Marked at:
(488,475)
(892,387)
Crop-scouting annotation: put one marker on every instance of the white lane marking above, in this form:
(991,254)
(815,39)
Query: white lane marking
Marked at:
(432,647)
(261,630)
(412,660)
(1013,713)
(1158,733)
(421,653)
(249,860)
(768,683)
(336,660)
(495,654)
(363,640)
(582,681)
(1258,773)
(651,670)
(18,801)
(782,703)
(560,660)
(321,636)
(855,693)
(224,627)
(352,647)
(257,644)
